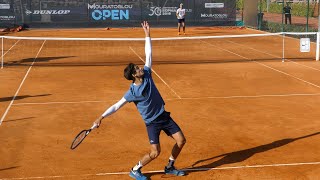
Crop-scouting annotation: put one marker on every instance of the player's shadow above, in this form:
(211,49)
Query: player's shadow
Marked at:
(8,168)
(3,99)
(27,61)
(19,119)
(239,156)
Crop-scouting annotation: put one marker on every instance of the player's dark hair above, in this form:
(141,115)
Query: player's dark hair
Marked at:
(129,70)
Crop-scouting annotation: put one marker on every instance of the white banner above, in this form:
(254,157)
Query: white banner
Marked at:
(4,6)
(214,5)
(305,45)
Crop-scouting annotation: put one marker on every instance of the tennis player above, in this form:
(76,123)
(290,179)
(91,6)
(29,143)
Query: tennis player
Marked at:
(150,104)
(181,13)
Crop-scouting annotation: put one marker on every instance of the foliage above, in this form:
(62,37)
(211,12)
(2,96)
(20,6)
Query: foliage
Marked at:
(298,9)
(239,4)
(277,27)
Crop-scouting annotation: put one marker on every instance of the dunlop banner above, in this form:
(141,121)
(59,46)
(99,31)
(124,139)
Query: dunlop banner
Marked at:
(115,13)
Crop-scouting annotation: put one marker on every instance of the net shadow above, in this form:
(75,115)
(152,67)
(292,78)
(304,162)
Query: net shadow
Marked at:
(53,62)
(4,99)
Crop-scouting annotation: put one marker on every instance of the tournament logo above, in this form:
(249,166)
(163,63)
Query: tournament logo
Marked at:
(164,11)
(113,12)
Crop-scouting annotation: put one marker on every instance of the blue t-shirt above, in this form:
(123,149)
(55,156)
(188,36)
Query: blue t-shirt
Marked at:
(146,97)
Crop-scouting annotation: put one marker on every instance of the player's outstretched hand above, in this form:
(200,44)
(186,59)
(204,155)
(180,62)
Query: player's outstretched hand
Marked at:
(97,122)
(146,28)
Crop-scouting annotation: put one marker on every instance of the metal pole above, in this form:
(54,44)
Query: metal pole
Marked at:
(282,15)
(307,26)
(318,46)
(283,36)
(22,12)
(268,3)
(260,15)
(318,34)
(318,16)
(2,52)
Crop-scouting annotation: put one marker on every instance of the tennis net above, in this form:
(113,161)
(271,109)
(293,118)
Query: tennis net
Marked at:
(51,51)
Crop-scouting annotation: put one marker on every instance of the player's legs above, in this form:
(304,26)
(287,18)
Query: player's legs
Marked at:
(172,129)
(153,133)
(180,142)
(289,18)
(179,25)
(154,153)
(183,27)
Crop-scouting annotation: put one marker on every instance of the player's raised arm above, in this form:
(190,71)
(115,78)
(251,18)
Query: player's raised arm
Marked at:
(148,50)
(110,111)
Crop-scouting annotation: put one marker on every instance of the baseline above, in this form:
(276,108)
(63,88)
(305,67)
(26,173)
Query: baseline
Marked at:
(160,171)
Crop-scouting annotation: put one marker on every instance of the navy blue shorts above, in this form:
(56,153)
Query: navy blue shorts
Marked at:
(180,20)
(163,122)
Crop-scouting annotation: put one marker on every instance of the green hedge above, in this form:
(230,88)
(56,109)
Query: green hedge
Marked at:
(298,9)
(277,27)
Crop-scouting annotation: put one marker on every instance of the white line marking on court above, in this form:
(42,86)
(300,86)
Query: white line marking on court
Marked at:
(155,73)
(25,77)
(264,65)
(61,102)
(161,171)
(274,55)
(171,99)
(10,48)
(257,96)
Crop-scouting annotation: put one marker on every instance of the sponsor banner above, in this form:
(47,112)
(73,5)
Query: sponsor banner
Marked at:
(4,6)
(219,11)
(215,16)
(165,11)
(52,12)
(122,13)
(103,6)
(104,12)
(214,5)
(7,18)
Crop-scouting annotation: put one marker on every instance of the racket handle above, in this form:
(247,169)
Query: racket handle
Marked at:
(94,126)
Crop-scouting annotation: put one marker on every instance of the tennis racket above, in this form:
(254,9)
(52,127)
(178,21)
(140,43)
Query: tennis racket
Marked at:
(80,137)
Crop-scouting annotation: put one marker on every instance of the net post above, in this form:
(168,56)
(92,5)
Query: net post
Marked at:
(283,36)
(2,52)
(318,46)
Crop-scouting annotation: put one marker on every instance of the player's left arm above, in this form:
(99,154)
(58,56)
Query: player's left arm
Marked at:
(148,50)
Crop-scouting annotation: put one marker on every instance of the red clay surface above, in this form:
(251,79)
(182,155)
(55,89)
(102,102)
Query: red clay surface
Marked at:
(245,114)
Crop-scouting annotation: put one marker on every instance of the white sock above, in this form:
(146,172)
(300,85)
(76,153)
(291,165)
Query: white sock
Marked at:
(171,162)
(138,166)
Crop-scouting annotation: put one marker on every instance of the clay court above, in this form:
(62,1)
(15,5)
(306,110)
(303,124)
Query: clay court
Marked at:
(245,113)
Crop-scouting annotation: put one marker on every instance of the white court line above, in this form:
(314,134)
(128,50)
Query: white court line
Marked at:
(172,99)
(61,102)
(274,56)
(161,171)
(25,77)
(156,73)
(10,48)
(6,53)
(257,96)
(264,65)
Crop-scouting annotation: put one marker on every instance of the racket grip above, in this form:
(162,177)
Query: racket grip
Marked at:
(94,126)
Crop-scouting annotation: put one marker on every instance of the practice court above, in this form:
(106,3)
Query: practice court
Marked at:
(244,112)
